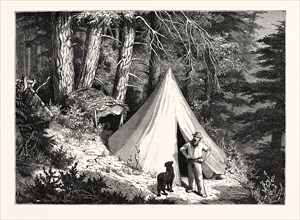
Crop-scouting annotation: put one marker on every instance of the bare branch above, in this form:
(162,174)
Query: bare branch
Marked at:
(146,23)
(138,87)
(115,39)
(164,22)
(130,74)
(99,81)
(42,85)
(120,61)
(154,39)
(140,43)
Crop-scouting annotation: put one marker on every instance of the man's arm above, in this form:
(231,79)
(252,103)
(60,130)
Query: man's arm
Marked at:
(183,150)
(208,153)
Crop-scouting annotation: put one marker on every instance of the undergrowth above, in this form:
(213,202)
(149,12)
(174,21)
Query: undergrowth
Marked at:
(264,188)
(267,192)
(134,162)
(33,146)
(73,188)
(73,118)
(58,187)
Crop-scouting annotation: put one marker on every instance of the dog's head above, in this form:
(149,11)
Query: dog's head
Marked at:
(169,164)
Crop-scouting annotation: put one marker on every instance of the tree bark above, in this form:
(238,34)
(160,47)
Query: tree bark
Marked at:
(209,86)
(276,139)
(39,59)
(92,55)
(208,93)
(187,84)
(29,61)
(24,55)
(122,75)
(154,70)
(38,47)
(117,36)
(63,76)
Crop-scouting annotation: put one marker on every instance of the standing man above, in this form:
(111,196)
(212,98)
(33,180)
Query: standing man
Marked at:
(193,152)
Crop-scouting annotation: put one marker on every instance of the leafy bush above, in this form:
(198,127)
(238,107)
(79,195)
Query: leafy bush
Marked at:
(73,188)
(270,160)
(267,192)
(77,123)
(134,162)
(235,162)
(34,146)
(264,189)
(76,119)
(268,185)
(60,159)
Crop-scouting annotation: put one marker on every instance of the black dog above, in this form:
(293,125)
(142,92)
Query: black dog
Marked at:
(165,179)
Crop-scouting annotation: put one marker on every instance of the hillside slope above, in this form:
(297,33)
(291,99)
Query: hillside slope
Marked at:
(94,159)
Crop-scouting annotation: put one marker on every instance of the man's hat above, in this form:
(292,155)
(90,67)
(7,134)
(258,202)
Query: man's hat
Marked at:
(198,134)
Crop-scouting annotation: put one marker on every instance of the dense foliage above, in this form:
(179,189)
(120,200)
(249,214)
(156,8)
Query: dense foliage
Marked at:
(269,90)
(73,188)
(33,147)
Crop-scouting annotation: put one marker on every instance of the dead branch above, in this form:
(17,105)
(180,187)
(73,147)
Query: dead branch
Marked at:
(195,40)
(130,74)
(107,36)
(138,87)
(154,38)
(42,85)
(99,80)
(120,61)
(140,43)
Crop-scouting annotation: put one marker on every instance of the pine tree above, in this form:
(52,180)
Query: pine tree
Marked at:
(268,92)
(125,56)
(97,21)
(64,75)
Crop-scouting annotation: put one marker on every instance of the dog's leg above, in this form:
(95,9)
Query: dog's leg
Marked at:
(158,192)
(170,186)
(164,190)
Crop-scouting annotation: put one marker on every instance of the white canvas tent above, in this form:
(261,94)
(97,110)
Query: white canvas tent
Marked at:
(152,132)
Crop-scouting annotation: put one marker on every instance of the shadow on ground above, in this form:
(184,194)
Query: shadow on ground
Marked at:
(232,195)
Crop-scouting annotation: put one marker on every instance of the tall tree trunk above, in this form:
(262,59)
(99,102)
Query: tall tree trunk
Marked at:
(187,83)
(24,55)
(28,61)
(208,93)
(38,47)
(209,86)
(231,109)
(276,139)
(39,59)
(117,36)
(253,18)
(91,58)
(63,77)
(122,75)
(155,65)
